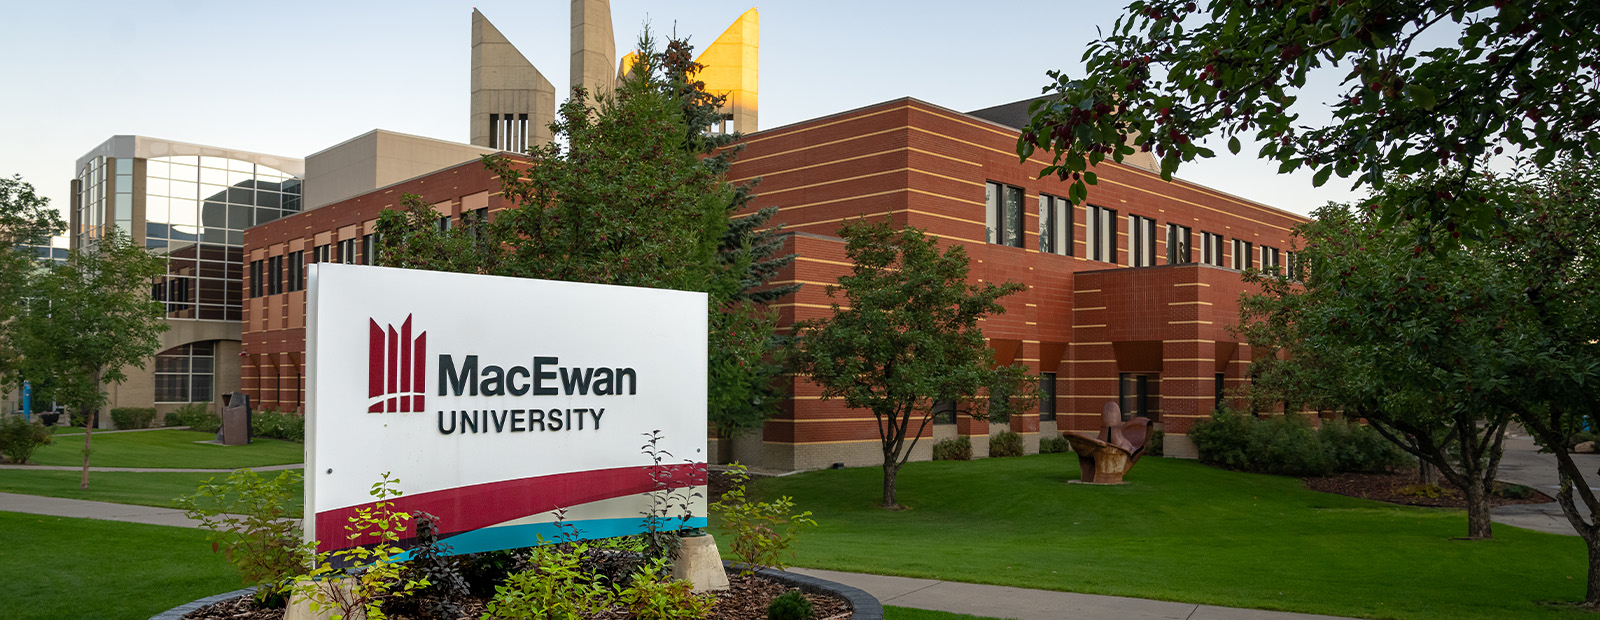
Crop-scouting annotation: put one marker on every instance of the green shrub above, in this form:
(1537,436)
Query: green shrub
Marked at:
(1156,444)
(250,525)
(1513,491)
(1430,491)
(791,605)
(759,532)
(197,416)
(278,425)
(19,438)
(1359,448)
(1054,445)
(958,449)
(1007,443)
(133,417)
(555,587)
(483,571)
(1288,445)
(653,594)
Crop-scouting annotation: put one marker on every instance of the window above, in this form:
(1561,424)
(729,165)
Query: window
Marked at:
(184,374)
(1295,270)
(1241,254)
(1211,248)
(1047,396)
(1269,259)
(297,271)
(476,221)
(1135,397)
(274,275)
(347,252)
(1220,381)
(1178,240)
(255,278)
(1102,234)
(1055,225)
(1004,214)
(944,412)
(369,249)
(444,223)
(320,254)
(1141,241)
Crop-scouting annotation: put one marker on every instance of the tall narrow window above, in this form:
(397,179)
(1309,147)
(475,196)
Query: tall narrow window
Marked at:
(1102,233)
(476,221)
(1178,239)
(1004,217)
(256,276)
(444,223)
(347,252)
(321,254)
(1241,254)
(1055,225)
(1269,259)
(944,412)
(297,271)
(1141,241)
(369,249)
(1047,396)
(1220,382)
(274,275)
(1211,248)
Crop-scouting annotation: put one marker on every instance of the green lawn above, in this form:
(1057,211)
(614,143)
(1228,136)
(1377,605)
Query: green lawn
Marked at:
(145,489)
(79,568)
(1180,531)
(169,448)
(907,613)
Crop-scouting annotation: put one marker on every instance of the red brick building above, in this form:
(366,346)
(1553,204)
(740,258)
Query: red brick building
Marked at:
(1129,296)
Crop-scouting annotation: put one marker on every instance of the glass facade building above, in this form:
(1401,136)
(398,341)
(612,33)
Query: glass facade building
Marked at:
(190,205)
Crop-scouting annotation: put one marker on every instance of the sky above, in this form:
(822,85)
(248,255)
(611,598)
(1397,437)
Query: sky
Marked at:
(292,78)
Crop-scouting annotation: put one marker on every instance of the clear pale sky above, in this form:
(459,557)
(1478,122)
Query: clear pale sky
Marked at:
(291,78)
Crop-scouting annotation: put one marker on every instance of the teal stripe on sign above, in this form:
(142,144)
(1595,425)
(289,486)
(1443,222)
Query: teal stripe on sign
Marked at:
(531,534)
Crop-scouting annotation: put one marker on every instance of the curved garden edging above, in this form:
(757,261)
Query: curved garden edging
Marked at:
(863,606)
(176,613)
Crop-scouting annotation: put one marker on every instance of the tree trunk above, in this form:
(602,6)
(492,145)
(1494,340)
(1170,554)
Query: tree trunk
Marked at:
(1591,596)
(88,429)
(1478,523)
(1426,473)
(891,468)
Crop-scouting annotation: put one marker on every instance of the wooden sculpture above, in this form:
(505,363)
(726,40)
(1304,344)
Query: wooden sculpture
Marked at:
(1105,459)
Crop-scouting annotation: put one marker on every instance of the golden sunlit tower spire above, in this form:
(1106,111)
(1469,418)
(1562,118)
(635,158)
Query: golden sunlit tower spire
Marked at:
(733,68)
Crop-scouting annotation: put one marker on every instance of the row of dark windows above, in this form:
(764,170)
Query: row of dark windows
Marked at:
(1005,216)
(287,273)
(1133,395)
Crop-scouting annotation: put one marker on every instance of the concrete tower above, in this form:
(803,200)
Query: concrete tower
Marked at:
(594,47)
(512,103)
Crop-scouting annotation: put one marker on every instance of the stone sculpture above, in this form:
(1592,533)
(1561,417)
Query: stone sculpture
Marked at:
(235,429)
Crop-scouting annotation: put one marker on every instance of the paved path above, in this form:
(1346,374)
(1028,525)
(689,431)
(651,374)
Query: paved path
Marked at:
(152,470)
(1023,604)
(1524,464)
(85,509)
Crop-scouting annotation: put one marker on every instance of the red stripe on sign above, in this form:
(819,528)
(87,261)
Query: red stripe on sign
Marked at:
(478,506)
(418,366)
(374,365)
(405,365)
(394,352)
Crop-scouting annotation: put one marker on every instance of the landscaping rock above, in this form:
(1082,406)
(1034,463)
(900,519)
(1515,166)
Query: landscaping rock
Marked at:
(1586,447)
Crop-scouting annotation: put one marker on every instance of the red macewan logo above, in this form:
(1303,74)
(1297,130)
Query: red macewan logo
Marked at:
(396,368)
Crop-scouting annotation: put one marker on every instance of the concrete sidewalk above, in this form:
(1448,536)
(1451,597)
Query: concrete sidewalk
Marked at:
(1523,464)
(85,509)
(1024,604)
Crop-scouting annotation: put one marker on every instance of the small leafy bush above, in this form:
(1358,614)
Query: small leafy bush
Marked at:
(653,594)
(1156,444)
(1288,445)
(761,532)
(791,605)
(19,438)
(554,587)
(249,522)
(374,574)
(1430,491)
(483,571)
(1225,440)
(1359,448)
(1054,445)
(278,425)
(957,449)
(1513,491)
(1007,443)
(446,591)
(197,416)
(133,417)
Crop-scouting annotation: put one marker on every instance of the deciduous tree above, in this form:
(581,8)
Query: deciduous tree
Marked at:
(1517,74)
(905,337)
(87,320)
(25,219)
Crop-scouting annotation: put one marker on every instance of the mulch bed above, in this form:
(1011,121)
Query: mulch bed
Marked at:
(1387,488)
(747,599)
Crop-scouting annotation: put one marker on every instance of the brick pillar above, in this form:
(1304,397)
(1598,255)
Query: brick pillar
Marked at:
(1187,390)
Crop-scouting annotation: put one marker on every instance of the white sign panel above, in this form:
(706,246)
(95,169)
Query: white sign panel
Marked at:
(496,401)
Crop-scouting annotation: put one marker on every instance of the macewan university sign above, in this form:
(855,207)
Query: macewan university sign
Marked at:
(497,401)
